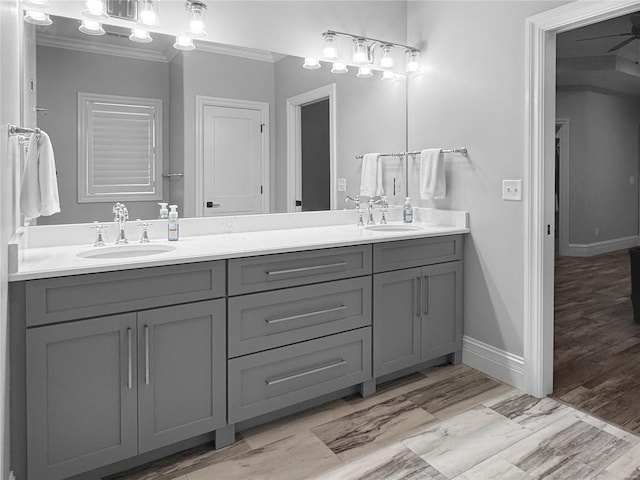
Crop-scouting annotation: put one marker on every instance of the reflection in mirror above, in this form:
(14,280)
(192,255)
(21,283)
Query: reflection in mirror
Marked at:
(220,130)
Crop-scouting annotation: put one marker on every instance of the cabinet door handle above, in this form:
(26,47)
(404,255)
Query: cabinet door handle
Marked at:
(425,301)
(274,381)
(129,360)
(146,354)
(305,315)
(419,296)
(306,269)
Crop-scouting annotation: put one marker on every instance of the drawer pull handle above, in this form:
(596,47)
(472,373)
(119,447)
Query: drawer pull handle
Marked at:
(129,360)
(419,296)
(306,269)
(274,381)
(305,315)
(146,354)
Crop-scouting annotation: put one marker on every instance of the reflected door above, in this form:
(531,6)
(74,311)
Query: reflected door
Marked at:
(315,145)
(233,161)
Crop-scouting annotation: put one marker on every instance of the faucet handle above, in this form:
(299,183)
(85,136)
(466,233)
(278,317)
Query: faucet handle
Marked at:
(145,235)
(99,228)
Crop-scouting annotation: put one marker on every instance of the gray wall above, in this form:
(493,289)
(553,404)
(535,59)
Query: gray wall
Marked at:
(472,93)
(62,74)
(226,76)
(604,153)
(371,117)
(176,138)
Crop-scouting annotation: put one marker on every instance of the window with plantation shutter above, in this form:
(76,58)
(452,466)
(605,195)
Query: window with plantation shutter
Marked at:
(119,148)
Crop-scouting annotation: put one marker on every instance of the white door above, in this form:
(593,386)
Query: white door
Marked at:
(233,161)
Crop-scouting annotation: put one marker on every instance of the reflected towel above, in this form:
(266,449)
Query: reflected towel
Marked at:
(371,181)
(39,192)
(433,185)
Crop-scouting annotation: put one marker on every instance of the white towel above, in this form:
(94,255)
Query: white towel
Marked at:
(371,181)
(433,185)
(39,192)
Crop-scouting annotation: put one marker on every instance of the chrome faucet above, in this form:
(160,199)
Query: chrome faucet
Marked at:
(121,216)
(377,201)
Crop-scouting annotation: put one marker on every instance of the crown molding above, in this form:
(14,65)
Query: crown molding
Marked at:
(249,53)
(87,46)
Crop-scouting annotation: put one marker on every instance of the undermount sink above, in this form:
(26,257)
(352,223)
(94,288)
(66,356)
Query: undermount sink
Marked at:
(126,251)
(392,228)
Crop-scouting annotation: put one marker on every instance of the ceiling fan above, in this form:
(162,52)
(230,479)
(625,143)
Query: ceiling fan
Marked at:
(634,35)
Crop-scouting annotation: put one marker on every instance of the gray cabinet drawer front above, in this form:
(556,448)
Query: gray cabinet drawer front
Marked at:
(268,381)
(389,256)
(81,296)
(272,319)
(254,274)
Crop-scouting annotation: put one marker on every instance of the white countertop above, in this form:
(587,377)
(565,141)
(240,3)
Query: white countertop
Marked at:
(62,260)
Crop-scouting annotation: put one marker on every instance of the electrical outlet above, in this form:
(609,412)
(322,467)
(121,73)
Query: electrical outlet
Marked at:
(512,190)
(597,231)
(342,184)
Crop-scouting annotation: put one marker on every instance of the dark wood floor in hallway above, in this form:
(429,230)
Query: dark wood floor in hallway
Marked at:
(597,343)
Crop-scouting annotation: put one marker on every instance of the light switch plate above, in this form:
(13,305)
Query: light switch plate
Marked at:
(342,184)
(512,190)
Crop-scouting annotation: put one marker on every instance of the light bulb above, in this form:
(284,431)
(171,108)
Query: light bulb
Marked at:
(36,17)
(360,52)
(29,4)
(387,59)
(197,25)
(140,35)
(388,76)
(311,63)
(95,9)
(329,46)
(184,42)
(91,27)
(148,13)
(364,72)
(413,61)
(339,67)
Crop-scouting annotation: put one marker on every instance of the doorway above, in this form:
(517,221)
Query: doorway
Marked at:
(232,157)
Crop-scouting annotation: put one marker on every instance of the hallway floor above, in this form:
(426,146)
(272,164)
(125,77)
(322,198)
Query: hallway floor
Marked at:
(445,423)
(597,344)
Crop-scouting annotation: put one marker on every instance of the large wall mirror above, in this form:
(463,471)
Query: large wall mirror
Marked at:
(232,130)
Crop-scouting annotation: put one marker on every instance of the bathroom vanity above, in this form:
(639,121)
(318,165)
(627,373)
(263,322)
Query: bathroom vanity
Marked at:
(123,359)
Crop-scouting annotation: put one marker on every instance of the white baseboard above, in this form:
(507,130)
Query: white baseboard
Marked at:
(606,246)
(504,366)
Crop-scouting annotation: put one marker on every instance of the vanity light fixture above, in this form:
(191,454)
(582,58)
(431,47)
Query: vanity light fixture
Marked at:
(148,13)
(140,35)
(94,9)
(197,25)
(184,42)
(388,76)
(329,46)
(91,27)
(339,67)
(37,17)
(363,49)
(364,71)
(311,63)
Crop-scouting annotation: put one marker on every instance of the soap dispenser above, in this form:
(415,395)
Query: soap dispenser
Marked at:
(407,211)
(164,213)
(173,227)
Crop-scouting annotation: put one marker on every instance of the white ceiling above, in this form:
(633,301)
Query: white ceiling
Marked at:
(582,63)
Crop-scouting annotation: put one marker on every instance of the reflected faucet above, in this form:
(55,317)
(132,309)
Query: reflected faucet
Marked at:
(356,202)
(121,216)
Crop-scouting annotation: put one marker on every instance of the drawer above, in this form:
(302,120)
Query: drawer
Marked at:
(261,321)
(53,300)
(268,381)
(415,253)
(268,272)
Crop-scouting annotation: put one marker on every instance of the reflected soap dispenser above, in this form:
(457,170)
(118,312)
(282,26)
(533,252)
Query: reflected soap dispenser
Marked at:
(164,213)
(407,211)
(173,226)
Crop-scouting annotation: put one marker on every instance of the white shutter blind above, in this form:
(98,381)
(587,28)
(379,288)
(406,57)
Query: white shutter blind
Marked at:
(120,149)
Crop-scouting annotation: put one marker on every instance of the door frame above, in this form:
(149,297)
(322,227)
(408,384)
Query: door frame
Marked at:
(564,134)
(540,72)
(294,147)
(203,101)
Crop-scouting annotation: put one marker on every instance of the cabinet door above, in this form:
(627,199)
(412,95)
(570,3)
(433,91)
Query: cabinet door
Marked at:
(441,309)
(181,371)
(81,396)
(396,320)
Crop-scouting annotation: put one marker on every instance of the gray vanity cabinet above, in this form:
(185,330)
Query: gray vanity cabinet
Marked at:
(417,312)
(81,395)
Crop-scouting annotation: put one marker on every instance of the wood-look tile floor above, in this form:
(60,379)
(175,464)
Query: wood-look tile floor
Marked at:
(597,343)
(446,423)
